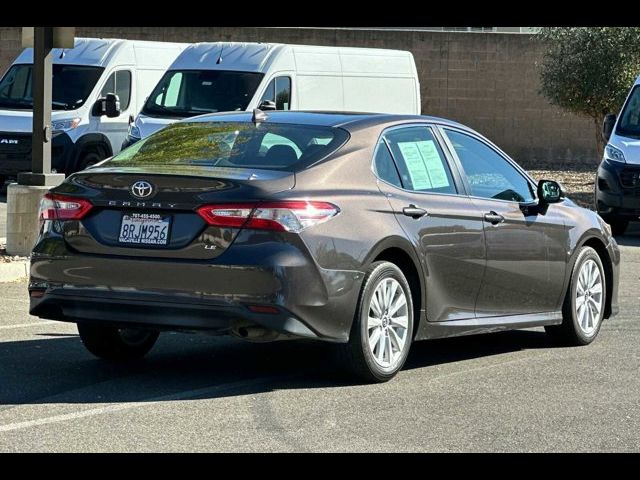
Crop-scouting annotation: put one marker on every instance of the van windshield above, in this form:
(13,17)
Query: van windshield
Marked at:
(186,93)
(268,146)
(629,123)
(71,86)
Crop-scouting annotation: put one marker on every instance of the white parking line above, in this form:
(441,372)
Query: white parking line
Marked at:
(188,394)
(26,325)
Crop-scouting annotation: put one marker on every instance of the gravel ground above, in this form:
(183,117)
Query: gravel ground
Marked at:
(578,180)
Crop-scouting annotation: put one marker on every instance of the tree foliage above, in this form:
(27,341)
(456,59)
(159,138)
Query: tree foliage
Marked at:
(589,70)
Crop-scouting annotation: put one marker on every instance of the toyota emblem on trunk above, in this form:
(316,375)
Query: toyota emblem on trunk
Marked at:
(141,189)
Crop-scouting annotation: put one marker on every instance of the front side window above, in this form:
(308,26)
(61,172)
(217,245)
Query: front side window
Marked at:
(71,85)
(629,123)
(420,161)
(186,93)
(119,83)
(209,145)
(488,173)
(279,92)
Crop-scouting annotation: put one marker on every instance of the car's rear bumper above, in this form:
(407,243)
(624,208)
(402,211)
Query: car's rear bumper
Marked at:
(215,295)
(158,312)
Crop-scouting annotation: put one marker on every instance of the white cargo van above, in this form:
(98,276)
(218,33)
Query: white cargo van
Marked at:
(218,77)
(88,125)
(617,188)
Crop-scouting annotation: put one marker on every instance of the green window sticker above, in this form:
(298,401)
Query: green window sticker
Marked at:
(424,164)
(433,161)
(415,165)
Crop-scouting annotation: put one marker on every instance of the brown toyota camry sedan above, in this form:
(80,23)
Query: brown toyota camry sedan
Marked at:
(370,231)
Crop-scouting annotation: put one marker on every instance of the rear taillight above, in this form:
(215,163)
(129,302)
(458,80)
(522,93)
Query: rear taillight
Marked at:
(61,207)
(286,216)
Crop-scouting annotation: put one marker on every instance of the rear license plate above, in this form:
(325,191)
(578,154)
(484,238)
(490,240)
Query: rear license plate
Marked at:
(144,229)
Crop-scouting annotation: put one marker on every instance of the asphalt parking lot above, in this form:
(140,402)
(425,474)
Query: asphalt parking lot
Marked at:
(512,391)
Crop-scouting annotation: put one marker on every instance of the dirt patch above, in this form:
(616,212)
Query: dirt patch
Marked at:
(5,258)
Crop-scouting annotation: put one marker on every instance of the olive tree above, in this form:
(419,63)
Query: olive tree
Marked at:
(589,70)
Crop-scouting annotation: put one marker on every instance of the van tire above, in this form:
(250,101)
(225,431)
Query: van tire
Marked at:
(618,225)
(90,156)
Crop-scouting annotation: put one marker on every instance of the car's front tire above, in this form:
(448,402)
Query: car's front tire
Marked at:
(584,304)
(116,344)
(382,329)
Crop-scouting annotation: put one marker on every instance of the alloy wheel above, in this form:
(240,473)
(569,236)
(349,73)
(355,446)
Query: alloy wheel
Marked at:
(387,324)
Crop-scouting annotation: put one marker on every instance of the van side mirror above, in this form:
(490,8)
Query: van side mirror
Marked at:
(550,191)
(267,105)
(607,126)
(108,105)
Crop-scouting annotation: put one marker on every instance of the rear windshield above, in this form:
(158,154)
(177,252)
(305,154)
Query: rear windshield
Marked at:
(229,144)
(629,123)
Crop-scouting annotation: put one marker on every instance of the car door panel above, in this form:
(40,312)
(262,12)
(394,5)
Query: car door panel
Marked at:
(525,243)
(449,241)
(445,229)
(520,278)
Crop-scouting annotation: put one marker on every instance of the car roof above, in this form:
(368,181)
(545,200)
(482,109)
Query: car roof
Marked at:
(346,120)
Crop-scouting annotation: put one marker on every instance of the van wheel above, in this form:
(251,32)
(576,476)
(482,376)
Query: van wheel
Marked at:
(117,344)
(90,157)
(382,329)
(583,308)
(618,226)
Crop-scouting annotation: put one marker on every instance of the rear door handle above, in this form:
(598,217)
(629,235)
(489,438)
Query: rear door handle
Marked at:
(493,218)
(414,212)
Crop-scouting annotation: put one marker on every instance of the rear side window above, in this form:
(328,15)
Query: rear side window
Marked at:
(420,161)
(234,145)
(385,168)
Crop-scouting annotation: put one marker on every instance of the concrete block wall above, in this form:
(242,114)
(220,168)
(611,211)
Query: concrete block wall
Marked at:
(485,80)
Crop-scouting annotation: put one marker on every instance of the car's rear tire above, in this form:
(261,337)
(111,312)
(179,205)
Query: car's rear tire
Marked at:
(584,304)
(116,344)
(382,329)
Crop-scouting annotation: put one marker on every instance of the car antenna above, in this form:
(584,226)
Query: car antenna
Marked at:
(258,116)
(219,61)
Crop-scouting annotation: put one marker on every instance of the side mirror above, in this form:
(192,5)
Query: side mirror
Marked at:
(109,106)
(267,105)
(607,126)
(550,191)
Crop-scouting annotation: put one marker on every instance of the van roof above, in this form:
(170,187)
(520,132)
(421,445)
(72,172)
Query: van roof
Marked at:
(226,56)
(97,52)
(258,57)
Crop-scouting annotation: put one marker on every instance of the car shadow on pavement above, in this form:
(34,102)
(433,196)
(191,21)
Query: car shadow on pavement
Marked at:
(57,369)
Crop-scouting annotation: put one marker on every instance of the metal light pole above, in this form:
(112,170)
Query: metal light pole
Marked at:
(23,198)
